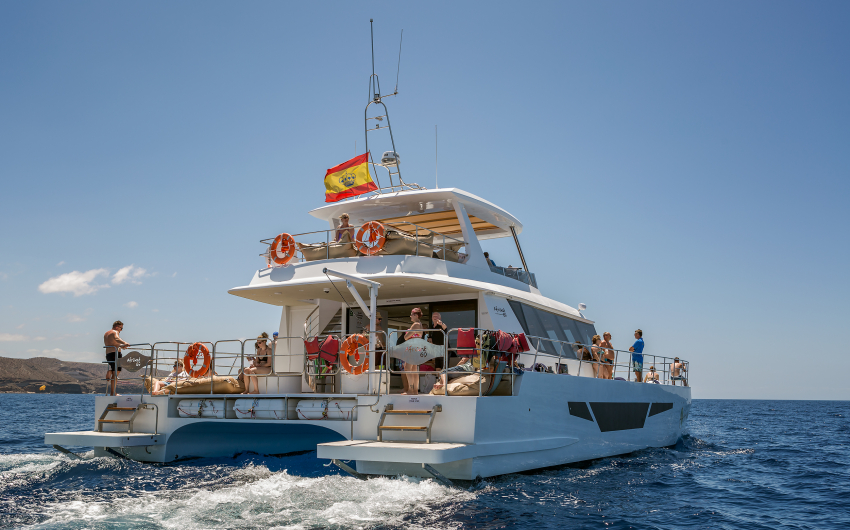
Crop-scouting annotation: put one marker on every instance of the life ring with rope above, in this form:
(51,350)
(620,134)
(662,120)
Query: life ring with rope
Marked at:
(370,238)
(191,358)
(351,349)
(282,249)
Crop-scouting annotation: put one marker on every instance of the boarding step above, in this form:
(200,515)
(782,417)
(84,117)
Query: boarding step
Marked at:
(104,439)
(113,407)
(390,411)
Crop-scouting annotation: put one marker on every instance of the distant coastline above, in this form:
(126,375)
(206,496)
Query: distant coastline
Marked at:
(28,376)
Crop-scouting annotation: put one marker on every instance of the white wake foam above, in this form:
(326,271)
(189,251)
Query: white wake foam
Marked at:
(263,499)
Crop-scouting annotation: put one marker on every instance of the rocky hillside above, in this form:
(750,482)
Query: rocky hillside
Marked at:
(58,377)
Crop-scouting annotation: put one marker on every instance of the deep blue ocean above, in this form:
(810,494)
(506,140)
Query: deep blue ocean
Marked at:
(745,464)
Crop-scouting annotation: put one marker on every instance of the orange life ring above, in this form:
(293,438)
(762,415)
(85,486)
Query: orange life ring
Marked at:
(370,238)
(351,348)
(192,357)
(282,249)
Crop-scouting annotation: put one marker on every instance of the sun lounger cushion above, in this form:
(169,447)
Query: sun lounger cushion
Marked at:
(399,244)
(222,384)
(464,386)
(342,249)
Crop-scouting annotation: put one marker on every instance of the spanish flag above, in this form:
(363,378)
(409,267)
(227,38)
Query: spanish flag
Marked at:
(349,179)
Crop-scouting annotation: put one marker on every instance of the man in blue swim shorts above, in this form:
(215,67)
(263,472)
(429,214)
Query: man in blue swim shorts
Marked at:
(637,355)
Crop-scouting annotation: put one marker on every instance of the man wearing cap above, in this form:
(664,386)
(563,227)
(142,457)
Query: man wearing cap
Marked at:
(678,372)
(637,355)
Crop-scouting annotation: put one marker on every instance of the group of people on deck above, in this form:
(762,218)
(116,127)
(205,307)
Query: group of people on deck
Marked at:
(601,353)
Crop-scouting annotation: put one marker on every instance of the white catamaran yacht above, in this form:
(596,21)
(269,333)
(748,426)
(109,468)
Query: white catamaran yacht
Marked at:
(535,392)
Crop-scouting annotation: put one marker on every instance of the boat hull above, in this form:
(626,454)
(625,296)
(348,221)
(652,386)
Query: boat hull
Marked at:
(551,420)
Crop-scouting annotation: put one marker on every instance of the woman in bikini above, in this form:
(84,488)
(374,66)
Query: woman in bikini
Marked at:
(344,228)
(607,356)
(414,332)
(262,364)
(596,355)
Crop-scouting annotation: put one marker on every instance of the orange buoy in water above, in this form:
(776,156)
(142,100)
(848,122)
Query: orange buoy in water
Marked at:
(351,349)
(282,249)
(370,238)
(191,359)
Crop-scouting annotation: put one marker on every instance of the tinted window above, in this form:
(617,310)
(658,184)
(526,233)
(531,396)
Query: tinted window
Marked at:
(456,314)
(531,324)
(539,323)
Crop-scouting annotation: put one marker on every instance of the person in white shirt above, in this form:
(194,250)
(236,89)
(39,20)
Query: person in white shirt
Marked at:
(177,374)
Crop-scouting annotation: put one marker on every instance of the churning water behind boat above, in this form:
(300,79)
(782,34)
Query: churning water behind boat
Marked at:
(746,464)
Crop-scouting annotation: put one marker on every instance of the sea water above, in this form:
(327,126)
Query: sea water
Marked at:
(744,464)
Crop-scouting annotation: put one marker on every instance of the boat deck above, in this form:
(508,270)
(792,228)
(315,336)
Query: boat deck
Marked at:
(432,453)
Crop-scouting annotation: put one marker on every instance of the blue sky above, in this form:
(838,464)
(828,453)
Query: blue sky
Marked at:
(678,167)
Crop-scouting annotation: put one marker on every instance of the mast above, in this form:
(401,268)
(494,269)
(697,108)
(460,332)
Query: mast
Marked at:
(392,162)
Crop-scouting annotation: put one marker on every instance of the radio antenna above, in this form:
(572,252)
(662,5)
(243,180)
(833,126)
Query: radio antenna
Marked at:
(400,40)
(374,83)
(372,36)
(436,161)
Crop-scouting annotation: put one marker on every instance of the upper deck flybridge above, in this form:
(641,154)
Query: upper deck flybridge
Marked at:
(431,242)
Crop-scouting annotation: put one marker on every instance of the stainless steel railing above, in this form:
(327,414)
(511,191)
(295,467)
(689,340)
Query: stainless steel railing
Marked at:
(419,233)
(225,360)
(228,358)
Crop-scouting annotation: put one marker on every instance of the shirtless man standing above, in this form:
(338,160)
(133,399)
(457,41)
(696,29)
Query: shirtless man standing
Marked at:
(678,372)
(113,344)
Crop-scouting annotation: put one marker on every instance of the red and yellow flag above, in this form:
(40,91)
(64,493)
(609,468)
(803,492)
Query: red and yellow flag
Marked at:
(349,179)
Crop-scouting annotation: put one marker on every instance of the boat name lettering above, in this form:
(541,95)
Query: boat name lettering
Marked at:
(500,311)
(414,400)
(422,351)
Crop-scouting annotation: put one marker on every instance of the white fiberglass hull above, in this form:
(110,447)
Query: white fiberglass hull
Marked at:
(552,420)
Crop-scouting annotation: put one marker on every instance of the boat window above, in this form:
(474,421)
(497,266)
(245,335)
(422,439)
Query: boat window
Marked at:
(532,325)
(456,314)
(539,323)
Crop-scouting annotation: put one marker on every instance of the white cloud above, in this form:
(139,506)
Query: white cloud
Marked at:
(8,337)
(40,338)
(131,305)
(20,326)
(54,351)
(174,275)
(155,310)
(60,263)
(76,282)
(74,318)
(129,273)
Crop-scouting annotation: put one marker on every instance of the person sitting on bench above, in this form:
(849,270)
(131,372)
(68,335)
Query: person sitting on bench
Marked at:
(177,374)
(652,376)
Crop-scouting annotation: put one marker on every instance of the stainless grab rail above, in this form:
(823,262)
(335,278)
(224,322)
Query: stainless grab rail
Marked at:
(330,236)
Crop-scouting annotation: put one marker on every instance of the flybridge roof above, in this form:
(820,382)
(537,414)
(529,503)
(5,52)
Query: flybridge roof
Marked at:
(432,209)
